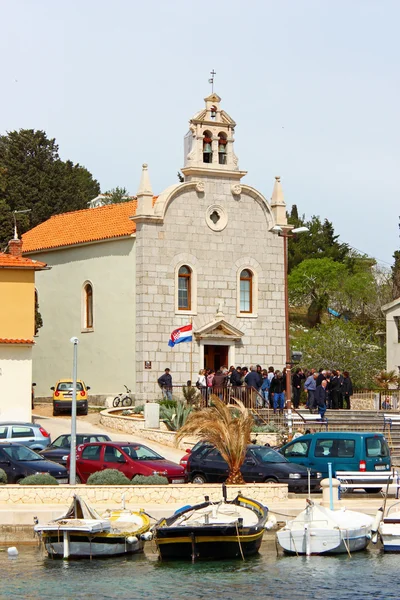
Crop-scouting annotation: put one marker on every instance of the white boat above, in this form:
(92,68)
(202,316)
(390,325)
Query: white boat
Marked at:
(319,530)
(388,527)
(82,532)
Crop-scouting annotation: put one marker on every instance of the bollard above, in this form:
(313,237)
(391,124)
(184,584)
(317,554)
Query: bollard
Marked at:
(330,493)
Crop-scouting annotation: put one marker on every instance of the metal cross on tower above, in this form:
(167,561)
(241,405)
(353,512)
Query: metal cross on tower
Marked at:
(211,80)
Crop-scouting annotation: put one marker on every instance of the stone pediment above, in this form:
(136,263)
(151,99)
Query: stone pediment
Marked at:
(219,329)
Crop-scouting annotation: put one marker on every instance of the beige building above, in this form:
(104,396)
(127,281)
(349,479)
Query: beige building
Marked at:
(17,327)
(392,314)
(125,276)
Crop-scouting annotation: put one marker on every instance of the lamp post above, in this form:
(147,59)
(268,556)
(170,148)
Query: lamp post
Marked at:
(72,464)
(286,233)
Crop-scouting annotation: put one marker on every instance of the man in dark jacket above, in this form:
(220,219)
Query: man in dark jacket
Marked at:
(165,383)
(277,391)
(320,397)
(334,390)
(236,377)
(347,388)
(296,386)
(253,379)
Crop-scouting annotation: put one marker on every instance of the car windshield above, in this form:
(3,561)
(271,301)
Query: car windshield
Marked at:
(21,453)
(141,452)
(66,386)
(267,455)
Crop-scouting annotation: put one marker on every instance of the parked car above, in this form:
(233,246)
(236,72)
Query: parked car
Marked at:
(129,458)
(185,457)
(345,450)
(28,434)
(58,451)
(261,465)
(18,462)
(62,396)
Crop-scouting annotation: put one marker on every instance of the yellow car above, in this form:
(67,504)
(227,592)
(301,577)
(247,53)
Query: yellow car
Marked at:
(62,396)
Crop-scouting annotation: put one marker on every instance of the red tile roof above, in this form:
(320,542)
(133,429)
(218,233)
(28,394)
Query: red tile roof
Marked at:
(10,341)
(82,226)
(7,261)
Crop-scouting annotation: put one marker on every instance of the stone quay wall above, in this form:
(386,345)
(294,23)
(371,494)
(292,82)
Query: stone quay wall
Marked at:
(137,494)
(162,435)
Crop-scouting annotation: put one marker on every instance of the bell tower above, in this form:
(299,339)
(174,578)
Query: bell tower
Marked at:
(208,145)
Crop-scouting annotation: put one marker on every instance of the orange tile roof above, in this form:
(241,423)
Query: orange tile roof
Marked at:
(7,261)
(10,341)
(80,226)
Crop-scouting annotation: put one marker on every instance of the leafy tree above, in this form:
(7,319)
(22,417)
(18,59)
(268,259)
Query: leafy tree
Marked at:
(313,282)
(227,432)
(320,242)
(32,176)
(116,195)
(346,346)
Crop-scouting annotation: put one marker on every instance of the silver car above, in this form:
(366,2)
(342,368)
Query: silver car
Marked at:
(32,435)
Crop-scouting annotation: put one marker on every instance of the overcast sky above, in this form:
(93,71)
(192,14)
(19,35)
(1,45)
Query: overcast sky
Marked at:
(312,85)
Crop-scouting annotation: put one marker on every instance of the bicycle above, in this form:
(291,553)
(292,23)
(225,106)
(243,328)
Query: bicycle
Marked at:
(123,399)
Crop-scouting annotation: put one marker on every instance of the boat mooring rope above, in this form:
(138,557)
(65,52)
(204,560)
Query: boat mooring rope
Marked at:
(240,545)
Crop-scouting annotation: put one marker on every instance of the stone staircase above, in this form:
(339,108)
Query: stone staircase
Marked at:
(346,420)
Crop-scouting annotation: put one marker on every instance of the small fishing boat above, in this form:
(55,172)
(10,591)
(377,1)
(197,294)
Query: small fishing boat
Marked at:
(320,530)
(82,532)
(210,530)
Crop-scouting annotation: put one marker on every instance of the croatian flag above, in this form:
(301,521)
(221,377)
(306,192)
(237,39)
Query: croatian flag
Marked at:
(183,334)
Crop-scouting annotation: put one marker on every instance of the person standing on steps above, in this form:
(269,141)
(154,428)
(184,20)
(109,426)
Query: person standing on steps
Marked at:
(347,389)
(320,397)
(277,389)
(310,386)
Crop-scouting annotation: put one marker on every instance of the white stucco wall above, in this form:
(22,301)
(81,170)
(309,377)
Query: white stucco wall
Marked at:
(106,356)
(15,382)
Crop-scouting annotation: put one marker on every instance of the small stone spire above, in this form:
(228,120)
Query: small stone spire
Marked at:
(145,194)
(278,203)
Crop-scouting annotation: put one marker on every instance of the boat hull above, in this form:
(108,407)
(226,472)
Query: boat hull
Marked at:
(193,544)
(84,546)
(323,541)
(390,536)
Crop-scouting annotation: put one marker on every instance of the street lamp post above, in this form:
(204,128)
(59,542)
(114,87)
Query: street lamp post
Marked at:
(72,464)
(287,233)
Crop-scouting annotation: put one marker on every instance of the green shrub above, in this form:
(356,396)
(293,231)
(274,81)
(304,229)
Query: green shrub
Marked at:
(150,480)
(175,418)
(168,403)
(40,479)
(269,428)
(3,477)
(108,477)
(138,409)
(192,396)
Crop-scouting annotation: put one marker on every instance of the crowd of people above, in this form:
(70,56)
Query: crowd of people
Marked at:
(324,388)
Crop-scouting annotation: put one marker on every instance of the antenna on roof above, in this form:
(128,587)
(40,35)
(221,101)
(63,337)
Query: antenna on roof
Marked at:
(18,212)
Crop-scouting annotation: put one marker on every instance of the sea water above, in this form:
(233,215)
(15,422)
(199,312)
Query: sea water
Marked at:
(369,574)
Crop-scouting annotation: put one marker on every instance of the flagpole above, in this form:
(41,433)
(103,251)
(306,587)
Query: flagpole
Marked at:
(191,352)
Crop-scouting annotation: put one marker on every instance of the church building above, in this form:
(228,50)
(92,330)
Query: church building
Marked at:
(124,276)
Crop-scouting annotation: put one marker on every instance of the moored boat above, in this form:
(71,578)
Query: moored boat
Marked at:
(388,527)
(319,530)
(82,532)
(227,529)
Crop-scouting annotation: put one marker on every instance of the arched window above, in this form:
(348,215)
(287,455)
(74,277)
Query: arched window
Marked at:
(222,142)
(88,306)
(207,147)
(246,291)
(184,285)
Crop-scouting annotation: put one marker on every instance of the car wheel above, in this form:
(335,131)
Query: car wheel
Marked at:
(55,412)
(198,478)
(270,480)
(372,490)
(343,487)
(116,401)
(84,412)
(19,479)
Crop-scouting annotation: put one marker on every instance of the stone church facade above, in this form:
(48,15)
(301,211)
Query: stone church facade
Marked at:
(202,252)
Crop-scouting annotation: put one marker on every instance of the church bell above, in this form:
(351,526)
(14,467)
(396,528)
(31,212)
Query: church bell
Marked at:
(207,149)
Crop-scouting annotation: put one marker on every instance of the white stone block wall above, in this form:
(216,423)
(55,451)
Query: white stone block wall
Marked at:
(184,236)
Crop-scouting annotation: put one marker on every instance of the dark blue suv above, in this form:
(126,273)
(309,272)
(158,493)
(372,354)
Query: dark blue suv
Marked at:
(261,465)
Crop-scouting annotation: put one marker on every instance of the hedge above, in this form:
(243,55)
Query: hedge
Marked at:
(39,479)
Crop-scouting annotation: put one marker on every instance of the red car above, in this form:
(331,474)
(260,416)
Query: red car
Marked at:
(129,458)
(184,460)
